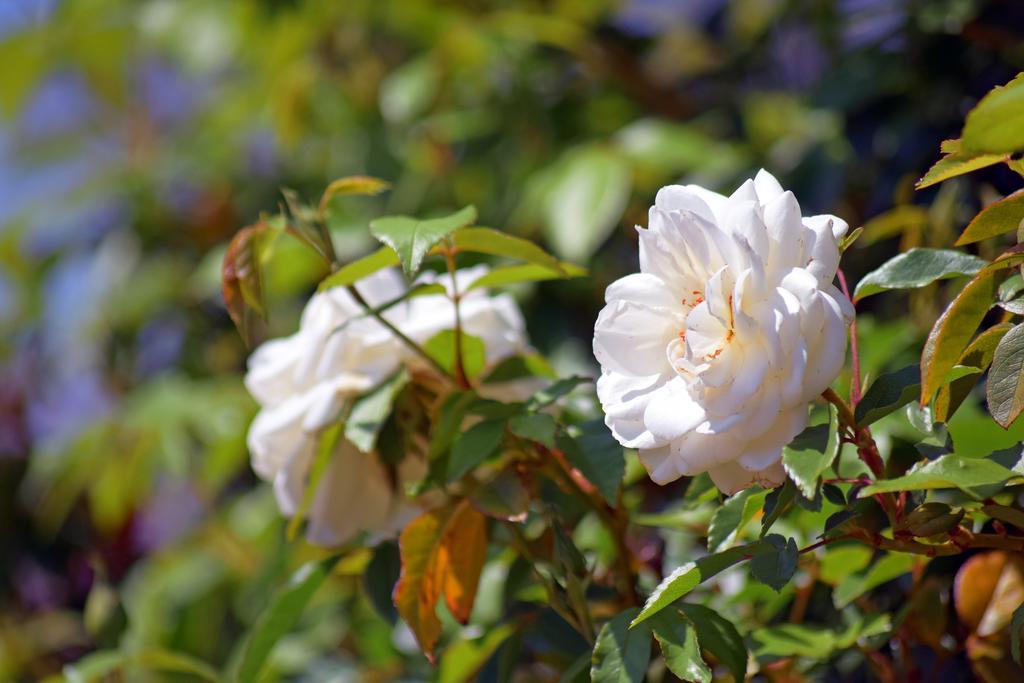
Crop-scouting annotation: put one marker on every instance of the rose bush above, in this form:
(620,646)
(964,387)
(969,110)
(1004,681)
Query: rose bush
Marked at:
(710,354)
(302,383)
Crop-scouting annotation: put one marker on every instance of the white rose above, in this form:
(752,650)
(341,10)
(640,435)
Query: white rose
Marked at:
(301,383)
(712,352)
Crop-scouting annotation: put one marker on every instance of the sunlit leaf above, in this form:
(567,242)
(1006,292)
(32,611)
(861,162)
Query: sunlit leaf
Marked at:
(887,568)
(917,268)
(949,471)
(956,162)
(280,617)
(497,243)
(464,658)
(1005,386)
(362,268)
(370,412)
(718,636)
(732,516)
(412,238)
(442,348)
(680,647)
(978,354)
(996,124)
(1005,215)
(526,272)
(358,184)
(621,653)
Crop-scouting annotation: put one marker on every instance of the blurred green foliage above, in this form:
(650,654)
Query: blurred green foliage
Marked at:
(137,137)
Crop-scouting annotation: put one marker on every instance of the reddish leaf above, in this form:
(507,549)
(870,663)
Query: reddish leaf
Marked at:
(242,279)
(443,553)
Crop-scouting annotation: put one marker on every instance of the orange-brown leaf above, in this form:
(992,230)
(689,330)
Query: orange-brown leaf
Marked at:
(242,279)
(443,553)
(461,559)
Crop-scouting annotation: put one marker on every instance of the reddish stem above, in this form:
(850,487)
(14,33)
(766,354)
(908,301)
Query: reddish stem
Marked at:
(854,351)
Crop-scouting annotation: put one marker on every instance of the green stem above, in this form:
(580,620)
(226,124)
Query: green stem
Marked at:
(460,367)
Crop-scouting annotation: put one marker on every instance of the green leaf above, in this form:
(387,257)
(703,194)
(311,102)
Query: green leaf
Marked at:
(718,636)
(621,653)
(956,162)
(412,238)
(449,421)
(584,197)
(732,516)
(497,243)
(1006,514)
(996,124)
(1005,387)
(918,268)
(539,427)
(778,500)
(370,412)
(775,567)
(795,640)
(359,269)
(680,647)
(593,450)
(997,218)
(380,578)
(887,394)
(978,354)
(441,348)
(357,184)
(327,444)
(887,568)
(474,446)
(526,272)
(692,574)
(464,658)
(949,471)
(280,617)
(811,453)
(552,393)
(98,666)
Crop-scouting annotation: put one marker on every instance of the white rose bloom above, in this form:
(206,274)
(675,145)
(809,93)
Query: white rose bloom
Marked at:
(301,383)
(712,352)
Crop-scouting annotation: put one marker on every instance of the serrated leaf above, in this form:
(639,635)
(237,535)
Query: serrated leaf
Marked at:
(732,516)
(887,394)
(412,238)
(356,184)
(526,272)
(1005,387)
(956,162)
(687,577)
(370,412)
(810,454)
(621,653)
(474,446)
(442,553)
(280,617)
(918,268)
(978,354)
(593,450)
(949,471)
(996,124)
(775,567)
(680,647)
(997,218)
(718,636)
(352,273)
(539,427)
(441,348)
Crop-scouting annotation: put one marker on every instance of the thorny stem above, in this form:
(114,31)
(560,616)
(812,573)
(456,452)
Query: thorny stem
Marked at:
(854,351)
(867,449)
